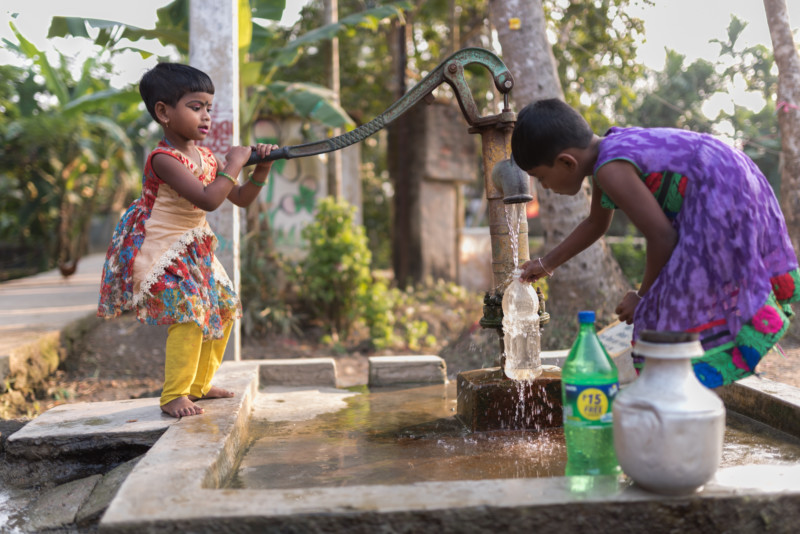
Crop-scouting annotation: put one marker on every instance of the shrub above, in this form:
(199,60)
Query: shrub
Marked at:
(335,275)
(266,289)
(631,255)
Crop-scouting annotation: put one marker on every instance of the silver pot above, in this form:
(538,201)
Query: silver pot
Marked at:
(668,427)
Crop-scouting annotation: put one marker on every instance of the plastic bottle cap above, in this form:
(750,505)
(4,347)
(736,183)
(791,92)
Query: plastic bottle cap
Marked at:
(585,316)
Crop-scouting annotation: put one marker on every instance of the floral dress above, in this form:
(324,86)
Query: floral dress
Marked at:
(733,273)
(161,259)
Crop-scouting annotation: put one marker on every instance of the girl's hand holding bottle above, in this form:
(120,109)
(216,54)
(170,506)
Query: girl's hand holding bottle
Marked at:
(534,269)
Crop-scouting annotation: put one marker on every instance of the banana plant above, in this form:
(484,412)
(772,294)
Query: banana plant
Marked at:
(261,53)
(60,150)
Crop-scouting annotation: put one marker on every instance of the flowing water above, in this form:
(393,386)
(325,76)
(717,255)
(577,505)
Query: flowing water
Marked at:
(521,333)
(514,214)
(402,436)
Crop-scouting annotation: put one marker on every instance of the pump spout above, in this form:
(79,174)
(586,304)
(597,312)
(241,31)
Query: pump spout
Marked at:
(512,181)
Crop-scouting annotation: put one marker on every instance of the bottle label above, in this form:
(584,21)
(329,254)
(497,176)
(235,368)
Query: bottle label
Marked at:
(589,405)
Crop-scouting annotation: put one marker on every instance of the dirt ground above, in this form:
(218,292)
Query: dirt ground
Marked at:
(122,359)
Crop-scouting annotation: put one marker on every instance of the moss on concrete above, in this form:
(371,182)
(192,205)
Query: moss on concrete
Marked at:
(32,364)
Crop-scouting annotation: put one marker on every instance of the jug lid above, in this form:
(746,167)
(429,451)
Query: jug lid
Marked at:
(668,345)
(662,336)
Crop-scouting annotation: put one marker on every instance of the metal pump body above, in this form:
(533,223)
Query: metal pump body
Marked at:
(505,182)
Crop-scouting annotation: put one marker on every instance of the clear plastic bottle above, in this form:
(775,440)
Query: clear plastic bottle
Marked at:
(589,384)
(521,335)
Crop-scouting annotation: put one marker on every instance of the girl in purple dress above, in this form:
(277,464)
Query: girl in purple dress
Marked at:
(719,258)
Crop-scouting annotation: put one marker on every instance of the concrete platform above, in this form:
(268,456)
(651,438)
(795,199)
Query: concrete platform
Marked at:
(175,485)
(90,426)
(174,488)
(400,370)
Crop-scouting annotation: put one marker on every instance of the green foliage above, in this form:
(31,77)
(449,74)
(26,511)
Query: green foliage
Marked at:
(335,273)
(595,52)
(631,255)
(264,50)
(379,303)
(61,151)
(678,95)
(266,289)
(339,291)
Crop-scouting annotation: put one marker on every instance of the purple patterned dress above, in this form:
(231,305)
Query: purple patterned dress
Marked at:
(733,272)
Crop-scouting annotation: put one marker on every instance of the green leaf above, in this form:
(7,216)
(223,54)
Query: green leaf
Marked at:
(268,9)
(76,27)
(112,129)
(315,102)
(68,26)
(53,79)
(107,96)
(245,26)
(368,18)
(250,73)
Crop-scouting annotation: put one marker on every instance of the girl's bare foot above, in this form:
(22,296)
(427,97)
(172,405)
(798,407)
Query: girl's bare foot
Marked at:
(181,407)
(214,393)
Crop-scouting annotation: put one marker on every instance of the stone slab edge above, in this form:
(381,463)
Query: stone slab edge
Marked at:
(403,370)
(172,489)
(198,452)
(772,403)
(507,505)
(298,372)
(71,429)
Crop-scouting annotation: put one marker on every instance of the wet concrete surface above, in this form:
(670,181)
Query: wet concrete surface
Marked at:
(174,486)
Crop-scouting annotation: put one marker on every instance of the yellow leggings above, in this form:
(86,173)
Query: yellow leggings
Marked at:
(191,362)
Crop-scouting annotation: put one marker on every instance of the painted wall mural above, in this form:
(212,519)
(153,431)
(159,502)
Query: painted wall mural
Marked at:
(296,185)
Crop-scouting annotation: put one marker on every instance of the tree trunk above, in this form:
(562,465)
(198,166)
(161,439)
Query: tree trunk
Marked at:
(788,106)
(593,279)
(334,170)
(406,261)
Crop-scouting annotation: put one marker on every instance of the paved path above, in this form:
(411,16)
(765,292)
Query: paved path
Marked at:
(47,302)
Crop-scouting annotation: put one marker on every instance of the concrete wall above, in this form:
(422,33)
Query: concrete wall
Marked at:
(434,154)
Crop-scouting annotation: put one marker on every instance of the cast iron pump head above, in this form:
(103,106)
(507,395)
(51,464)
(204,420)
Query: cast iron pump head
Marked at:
(512,181)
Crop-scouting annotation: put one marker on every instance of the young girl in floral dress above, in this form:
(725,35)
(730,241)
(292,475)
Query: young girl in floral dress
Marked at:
(161,259)
(719,258)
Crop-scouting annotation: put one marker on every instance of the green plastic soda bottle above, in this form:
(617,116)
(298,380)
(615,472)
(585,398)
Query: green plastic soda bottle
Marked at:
(589,384)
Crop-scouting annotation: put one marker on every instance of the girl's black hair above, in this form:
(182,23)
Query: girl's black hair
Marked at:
(546,128)
(168,82)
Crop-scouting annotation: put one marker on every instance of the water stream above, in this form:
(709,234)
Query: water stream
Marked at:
(402,436)
(514,214)
(520,312)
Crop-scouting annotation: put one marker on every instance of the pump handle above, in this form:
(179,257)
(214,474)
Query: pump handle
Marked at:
(450,71)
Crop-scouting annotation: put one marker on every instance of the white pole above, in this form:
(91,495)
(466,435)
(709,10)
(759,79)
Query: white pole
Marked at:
(213,48)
